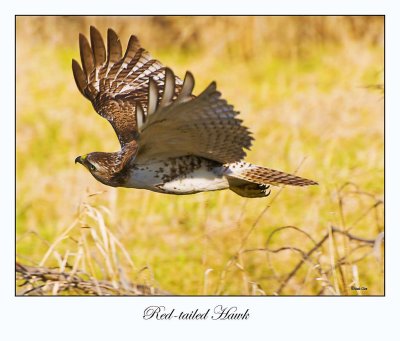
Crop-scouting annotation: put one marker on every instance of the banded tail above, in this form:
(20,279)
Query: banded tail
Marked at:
(252,181)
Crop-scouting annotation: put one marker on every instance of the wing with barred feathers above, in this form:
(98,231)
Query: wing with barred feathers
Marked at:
(204,126)
(145,101)
(116,83)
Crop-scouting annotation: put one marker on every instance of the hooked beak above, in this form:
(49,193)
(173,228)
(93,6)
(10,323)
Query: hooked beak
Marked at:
(79,160)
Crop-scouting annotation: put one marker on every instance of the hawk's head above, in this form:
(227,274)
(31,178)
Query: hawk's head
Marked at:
(105,167)
(111,169)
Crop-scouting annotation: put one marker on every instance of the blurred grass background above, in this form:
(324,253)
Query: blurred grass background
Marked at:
(309,88)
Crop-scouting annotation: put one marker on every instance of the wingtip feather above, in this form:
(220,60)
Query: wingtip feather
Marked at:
(211,89)
(79,76)
(152,97)
(98,47)
(169,87)
(187,88)
(86,55)
(114,46)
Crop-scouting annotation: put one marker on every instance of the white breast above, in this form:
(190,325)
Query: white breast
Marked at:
(157,177)
(200,180)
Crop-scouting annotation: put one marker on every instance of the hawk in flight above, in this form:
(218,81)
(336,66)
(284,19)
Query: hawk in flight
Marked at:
(171,140)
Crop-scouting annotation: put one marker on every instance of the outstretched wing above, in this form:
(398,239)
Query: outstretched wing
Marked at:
(187,125)
(115,84)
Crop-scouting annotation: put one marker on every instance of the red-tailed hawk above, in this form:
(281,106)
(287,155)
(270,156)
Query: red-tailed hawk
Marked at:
(171,141)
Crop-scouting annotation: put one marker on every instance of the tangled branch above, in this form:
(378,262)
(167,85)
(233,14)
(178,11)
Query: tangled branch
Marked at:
(38,281)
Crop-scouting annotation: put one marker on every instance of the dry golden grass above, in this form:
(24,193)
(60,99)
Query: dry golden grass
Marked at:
(308,88)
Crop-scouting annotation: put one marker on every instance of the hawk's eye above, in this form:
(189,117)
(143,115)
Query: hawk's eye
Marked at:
(92,168)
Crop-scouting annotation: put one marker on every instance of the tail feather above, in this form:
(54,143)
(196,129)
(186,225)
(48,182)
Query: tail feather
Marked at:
(253,181)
